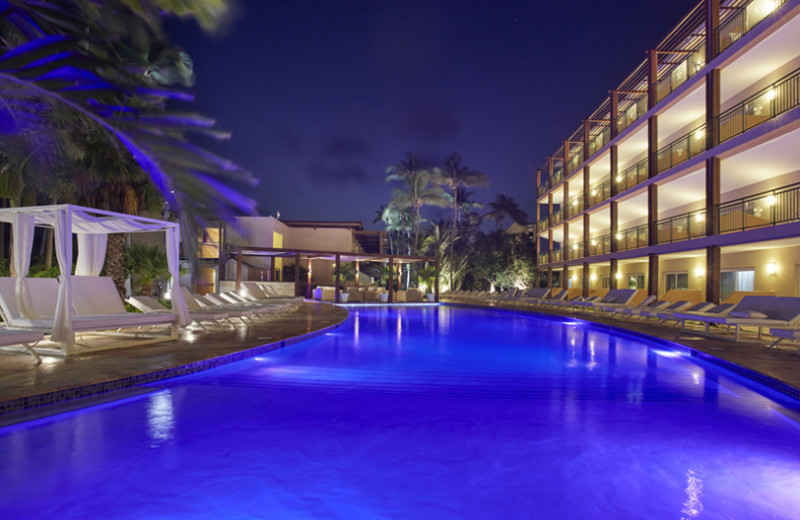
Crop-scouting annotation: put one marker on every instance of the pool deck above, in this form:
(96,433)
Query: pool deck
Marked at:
(25,385)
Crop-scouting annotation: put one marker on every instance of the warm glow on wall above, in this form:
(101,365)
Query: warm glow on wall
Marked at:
(772,268)
(593,277)
(618,276)
(699,272)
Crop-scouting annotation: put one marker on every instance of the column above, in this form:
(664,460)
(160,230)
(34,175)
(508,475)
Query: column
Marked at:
(713,274)
(712,195)
(652,274)
(336,281)
(652,214)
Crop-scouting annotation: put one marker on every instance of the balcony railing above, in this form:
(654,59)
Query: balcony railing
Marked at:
(543,187)
(544,258)
(575,159)
(772,101)
(542,225)
(557,255)
(575,250)
(557,176)
(599,192)
(683,71)
(682,149)
(748,17)
(681,227)
(599,245)
(632,238)
(632,176)
(599,141)
(764,209)
(633,112)
(555,218)
(575,206)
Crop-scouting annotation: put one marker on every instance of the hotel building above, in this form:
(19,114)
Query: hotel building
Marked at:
(687,176)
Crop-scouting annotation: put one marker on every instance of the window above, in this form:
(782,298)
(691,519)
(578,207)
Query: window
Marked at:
(605,282)
(677,280)
(736,280)
(636,281)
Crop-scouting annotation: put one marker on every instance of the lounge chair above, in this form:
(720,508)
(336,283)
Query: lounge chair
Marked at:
(26,338)
(536,294)
(196,302)
(148,304)
(668,314)
(782,312)
(748,308)
(792,334)
(613,297)
(661,306)
(615,308)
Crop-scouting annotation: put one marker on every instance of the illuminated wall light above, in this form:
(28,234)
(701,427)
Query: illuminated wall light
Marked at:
(594,192)
(700,134)
(771,200)
(575,246)
(699,272)
(594,242)
(593,277)
(574,277)
(700,217)
(619,178)
(618,276)
(771,94)
(772,268)
(619,236)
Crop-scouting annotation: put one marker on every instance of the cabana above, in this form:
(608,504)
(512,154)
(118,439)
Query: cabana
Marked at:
(91,227)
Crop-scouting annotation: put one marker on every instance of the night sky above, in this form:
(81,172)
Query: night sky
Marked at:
(323,96)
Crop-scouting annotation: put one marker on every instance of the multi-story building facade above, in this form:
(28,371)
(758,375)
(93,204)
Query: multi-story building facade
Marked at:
(688,174)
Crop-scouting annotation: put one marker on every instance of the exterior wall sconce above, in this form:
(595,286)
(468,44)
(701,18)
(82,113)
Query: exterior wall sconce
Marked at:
(593,277)
(618,276)
(772,268)
(699,272)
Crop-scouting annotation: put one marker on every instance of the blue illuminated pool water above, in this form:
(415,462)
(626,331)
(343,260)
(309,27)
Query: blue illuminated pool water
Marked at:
(423,413)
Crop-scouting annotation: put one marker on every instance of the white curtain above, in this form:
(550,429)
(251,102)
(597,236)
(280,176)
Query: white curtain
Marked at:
(173,260)
(91,254)
(24,226)
(62,326)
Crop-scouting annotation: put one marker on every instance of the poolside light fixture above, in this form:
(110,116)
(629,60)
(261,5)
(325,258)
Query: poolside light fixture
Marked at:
(772,268)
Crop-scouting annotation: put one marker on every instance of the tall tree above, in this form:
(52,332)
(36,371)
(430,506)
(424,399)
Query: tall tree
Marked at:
(417,193)
(457,176)
(503,207)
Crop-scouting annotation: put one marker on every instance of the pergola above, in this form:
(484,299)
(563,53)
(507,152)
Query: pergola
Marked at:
(332,256)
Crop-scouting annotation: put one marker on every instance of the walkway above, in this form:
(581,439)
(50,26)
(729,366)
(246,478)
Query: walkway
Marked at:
(24,384)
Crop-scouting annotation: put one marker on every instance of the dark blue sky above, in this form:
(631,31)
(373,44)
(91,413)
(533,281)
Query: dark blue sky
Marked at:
(323,96)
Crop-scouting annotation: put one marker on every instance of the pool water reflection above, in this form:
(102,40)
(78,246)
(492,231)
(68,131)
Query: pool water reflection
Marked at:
(424,413)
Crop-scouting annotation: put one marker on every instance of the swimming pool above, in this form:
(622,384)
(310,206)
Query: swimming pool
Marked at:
(423,413)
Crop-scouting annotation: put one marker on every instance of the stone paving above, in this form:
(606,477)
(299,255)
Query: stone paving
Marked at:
(23,384)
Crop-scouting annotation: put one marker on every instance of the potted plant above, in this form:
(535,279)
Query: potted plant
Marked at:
(346,274)
(427,278)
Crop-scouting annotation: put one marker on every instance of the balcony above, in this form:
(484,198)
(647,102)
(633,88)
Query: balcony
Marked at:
(543,187)
(632,113)
(749,16)
(575,159)
(558,175)
(682,149)
(681,227)
(544,258)
(682,71)
(542,225)
(599,193)
(557,256)
(598,141)
(575,206)
(575,250)
(555,218)
(632,238)
(772,101)
(600,245)
(632,176)
(765,209)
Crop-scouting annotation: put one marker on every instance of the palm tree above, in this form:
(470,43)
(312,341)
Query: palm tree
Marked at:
(456,176)
(94,63)
(417,193)
(503,207)
(145,264)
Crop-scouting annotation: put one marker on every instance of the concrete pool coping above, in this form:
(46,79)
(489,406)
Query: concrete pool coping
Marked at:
(24,386)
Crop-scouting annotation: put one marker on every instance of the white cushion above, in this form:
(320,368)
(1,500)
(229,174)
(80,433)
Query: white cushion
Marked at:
(747,314)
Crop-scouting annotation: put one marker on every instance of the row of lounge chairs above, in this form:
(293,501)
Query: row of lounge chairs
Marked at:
(97,307)
(779,314)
